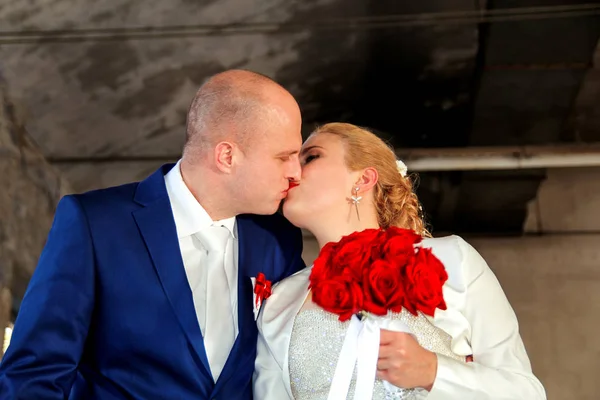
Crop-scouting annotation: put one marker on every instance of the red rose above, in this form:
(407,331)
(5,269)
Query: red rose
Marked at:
(399,245)
(406,234)
(382,286)
(322,265)
(355,251)
(424,277)
(434,263)
(342,296)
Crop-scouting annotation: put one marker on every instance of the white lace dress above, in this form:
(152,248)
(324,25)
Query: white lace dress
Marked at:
(316,342)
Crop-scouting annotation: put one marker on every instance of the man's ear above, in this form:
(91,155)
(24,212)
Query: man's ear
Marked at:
(224,153)
(367,179)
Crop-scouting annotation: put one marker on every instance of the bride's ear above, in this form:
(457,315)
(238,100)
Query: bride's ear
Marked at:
(367,179)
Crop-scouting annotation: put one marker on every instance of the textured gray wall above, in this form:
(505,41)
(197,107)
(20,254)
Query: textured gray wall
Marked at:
(30,189)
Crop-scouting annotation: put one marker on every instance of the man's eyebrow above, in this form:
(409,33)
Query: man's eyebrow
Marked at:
(287,153)
(309,148)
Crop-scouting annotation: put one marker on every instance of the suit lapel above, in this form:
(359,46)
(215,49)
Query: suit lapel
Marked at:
(252,257)
(157,227)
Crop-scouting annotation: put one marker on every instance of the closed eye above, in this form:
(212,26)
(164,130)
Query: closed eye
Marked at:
(309,158)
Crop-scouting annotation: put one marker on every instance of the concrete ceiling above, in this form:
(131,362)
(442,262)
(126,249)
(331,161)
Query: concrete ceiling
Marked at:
(109,112)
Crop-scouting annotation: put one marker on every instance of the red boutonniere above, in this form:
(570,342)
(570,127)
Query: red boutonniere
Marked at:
(262,291)
(377,271)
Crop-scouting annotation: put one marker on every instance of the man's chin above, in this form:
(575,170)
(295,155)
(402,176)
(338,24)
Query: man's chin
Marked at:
(274,209)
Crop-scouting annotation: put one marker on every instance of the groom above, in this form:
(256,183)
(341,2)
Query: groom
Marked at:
(144,291)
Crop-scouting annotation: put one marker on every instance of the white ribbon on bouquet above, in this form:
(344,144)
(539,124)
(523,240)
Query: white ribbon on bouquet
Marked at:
(361,349)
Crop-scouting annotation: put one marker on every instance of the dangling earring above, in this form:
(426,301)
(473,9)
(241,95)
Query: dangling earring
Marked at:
(355,200)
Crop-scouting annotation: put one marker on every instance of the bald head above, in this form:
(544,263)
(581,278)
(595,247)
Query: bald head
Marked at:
(232,105)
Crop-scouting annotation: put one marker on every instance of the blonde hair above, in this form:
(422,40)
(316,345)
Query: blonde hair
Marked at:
(394,197)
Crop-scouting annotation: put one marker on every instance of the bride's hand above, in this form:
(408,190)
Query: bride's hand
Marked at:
(404,363)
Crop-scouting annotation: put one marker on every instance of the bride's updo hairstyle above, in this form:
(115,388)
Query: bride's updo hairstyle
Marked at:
(394,197)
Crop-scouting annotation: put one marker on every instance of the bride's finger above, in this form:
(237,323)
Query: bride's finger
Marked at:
(387,351)
(384,364)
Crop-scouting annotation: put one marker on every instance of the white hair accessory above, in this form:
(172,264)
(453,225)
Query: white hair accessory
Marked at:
(402,168)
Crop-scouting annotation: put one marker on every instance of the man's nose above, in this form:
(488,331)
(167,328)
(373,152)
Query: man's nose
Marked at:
(294,169)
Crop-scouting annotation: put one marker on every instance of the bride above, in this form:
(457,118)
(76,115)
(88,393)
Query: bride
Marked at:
(468,348)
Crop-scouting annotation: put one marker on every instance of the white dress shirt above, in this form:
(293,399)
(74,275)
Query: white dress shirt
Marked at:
(479,319)
(191,218)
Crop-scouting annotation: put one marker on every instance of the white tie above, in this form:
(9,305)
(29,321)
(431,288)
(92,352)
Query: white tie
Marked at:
(219,334)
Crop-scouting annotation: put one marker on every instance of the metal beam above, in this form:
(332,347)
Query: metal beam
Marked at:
(501,158)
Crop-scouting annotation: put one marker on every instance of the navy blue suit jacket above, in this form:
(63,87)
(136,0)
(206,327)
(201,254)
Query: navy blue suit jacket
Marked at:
(108,313)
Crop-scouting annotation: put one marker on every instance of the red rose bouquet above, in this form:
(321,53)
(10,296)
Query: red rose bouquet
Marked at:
(379,279)
(378,271)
